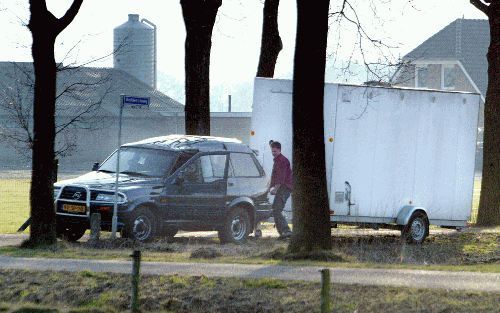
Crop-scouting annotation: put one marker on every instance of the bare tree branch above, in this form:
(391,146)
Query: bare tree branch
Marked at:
(61,67)
(382,68)
(83,115)
(69,16)
(72,86)
(15,105)
(481,5)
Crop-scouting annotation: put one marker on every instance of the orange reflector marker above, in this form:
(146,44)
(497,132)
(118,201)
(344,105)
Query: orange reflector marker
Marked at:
(252,133)
(330,139)
(105,208)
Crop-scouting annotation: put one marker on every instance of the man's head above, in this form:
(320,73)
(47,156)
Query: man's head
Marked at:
(275,148)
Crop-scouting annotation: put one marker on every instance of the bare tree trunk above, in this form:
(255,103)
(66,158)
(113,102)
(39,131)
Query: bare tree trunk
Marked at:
(489,202)
(271,44)
(41,194)
(44,28)
(199,18)
(311,223)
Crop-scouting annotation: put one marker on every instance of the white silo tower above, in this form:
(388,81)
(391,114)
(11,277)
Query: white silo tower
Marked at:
(135,49)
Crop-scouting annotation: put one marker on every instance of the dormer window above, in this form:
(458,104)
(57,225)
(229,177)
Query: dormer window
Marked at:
(422,76)
(449,76)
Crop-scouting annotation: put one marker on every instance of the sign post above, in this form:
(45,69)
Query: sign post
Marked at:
(134,103)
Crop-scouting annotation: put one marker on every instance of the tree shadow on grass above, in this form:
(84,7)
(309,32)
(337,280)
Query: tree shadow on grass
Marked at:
(438,249)
(446,249)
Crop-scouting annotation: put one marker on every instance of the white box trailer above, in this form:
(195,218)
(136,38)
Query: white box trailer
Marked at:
(395,157)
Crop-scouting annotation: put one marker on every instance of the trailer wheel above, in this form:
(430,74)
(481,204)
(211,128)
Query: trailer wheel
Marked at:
(417,228)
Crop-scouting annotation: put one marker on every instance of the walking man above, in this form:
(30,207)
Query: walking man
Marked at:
(281,186)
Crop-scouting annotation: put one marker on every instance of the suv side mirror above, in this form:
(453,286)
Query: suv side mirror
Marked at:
(95,167)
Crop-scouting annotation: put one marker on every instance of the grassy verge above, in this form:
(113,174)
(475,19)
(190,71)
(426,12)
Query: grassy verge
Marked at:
(474,250)
(98,292)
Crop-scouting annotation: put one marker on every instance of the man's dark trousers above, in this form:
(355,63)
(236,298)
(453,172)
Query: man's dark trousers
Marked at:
(282,195)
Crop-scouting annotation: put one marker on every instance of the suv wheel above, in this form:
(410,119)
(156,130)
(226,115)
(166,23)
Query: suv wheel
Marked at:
(236,227)
(70,233)
(417,228)
(142,226)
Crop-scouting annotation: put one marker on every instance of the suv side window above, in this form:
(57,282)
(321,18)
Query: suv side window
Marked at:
(206,169)
(243,165)
(218,165)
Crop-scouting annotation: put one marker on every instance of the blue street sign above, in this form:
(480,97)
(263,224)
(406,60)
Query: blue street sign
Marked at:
(135,101)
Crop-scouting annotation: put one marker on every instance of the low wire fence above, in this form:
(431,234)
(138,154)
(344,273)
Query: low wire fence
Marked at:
(14,197)
(15,187)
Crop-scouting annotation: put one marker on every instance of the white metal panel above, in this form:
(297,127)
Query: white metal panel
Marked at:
(446,155)
(395,146)
(374,151)
(399,147)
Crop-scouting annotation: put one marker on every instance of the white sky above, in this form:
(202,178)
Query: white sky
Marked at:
(236,40)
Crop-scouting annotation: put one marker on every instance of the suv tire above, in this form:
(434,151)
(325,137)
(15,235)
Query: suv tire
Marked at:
(142,226)
(70,233)
(236,227)
(417,228)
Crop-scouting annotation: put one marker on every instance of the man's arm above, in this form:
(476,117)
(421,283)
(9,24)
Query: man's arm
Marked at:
(280,174)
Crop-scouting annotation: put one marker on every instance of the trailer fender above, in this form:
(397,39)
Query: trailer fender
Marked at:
(406,212)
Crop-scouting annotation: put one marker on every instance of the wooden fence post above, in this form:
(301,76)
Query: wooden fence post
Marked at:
(134,306)
(326,306)
(95,226)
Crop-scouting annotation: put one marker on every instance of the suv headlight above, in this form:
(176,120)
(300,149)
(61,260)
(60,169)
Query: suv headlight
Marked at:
(56,192)
(106,197)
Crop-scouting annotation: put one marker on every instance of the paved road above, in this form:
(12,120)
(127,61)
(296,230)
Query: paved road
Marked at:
(407,278)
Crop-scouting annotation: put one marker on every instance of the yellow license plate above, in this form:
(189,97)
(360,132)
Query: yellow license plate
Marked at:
(74,208)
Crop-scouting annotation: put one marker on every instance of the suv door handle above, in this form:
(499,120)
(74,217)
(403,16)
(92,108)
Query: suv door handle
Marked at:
(230,184)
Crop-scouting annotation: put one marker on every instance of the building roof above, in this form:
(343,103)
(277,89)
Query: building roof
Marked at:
(465,40)
(86,88)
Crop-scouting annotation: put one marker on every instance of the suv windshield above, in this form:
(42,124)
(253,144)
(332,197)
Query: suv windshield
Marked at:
(141,161)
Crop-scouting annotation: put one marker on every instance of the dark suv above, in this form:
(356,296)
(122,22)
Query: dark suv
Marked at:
(168,184)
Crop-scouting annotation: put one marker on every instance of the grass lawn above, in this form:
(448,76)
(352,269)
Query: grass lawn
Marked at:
(472,250)
(14,203)
(101,293)
(475,199)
